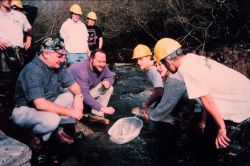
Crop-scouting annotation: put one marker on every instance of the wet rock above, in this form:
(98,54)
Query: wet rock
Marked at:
(81,128)
(13,152)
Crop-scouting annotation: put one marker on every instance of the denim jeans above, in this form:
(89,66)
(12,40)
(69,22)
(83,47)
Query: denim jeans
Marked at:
(76,57)
(41,122)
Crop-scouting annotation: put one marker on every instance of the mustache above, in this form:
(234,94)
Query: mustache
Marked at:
(96,68)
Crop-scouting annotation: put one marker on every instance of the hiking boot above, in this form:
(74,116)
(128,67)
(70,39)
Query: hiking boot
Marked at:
(81,128)
(63,137)
(35,142)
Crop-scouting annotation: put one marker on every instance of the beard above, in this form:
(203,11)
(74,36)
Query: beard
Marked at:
(97,70)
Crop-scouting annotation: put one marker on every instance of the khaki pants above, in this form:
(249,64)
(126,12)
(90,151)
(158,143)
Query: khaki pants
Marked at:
(102,96)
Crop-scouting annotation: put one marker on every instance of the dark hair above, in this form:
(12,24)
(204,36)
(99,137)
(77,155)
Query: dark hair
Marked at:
(93,53)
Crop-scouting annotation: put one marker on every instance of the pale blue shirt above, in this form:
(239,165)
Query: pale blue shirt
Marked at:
(155,77)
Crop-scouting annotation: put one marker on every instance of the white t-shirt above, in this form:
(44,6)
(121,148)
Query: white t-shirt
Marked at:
(229,88)
(12,25)
(75,35)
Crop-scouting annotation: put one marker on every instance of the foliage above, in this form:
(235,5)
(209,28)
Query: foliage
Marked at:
(199,25)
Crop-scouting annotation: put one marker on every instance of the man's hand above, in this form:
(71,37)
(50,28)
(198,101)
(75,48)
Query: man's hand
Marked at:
(78,102)
(105,84)
(222,141)
(75,113)
(146,115)
(108,110)
(27,44)
(3,45)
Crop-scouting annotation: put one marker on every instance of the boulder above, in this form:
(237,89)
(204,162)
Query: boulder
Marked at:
(13,152)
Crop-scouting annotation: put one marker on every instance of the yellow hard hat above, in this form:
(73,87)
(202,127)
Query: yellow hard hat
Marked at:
(75,8)
(141,51)
(92,16)
(165,47)
(17,3)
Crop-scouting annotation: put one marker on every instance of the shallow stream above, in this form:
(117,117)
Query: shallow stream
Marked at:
(156,144)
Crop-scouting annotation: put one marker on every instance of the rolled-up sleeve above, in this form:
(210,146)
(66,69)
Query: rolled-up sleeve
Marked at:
(67,79)
(26,24)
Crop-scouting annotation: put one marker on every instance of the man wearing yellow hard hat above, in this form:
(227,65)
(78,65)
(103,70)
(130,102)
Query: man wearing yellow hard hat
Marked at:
(75,35)
(29,11)
(95,39)
(224,92)
(143,55)
(174,87)
(17,4)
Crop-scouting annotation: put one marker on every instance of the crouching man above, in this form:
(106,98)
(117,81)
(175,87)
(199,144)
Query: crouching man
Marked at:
(95,80)
(224,93)
(42,103)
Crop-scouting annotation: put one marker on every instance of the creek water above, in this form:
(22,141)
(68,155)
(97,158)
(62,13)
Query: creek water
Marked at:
(155,145)
(158,144)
